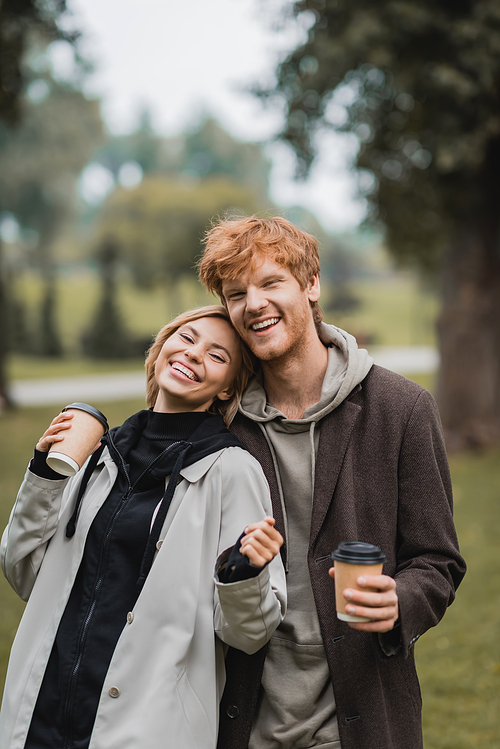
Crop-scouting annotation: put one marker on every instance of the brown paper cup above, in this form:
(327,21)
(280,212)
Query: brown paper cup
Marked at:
(346,576)
(88,426)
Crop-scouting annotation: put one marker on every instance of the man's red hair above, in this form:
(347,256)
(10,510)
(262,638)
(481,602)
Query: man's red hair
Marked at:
(235,246)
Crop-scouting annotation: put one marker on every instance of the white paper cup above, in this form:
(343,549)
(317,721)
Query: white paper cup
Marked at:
(88,426)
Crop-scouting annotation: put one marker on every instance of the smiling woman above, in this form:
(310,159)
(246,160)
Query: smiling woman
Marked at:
(116,646)
(198,346)
(196,365)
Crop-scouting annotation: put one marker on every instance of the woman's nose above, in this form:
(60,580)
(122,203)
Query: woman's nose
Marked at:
(193,352)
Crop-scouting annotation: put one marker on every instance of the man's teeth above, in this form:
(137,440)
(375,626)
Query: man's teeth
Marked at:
(184,371)
(265,324)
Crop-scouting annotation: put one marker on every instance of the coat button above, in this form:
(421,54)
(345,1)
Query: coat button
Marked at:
(114,692)
(159,544)
(130,617)
(232,711)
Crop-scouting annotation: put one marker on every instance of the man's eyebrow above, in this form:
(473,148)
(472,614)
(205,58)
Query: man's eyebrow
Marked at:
(232,287)
(212,345)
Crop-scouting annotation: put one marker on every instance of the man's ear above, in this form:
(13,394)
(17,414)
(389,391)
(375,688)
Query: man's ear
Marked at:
(313,288)
(226,394)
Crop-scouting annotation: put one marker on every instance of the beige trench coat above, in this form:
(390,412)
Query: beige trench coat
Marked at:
(167,673)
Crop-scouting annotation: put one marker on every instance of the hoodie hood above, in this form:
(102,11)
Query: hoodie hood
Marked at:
(347,366)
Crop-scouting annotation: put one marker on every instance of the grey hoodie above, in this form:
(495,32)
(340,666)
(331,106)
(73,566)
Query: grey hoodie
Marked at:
(296,706)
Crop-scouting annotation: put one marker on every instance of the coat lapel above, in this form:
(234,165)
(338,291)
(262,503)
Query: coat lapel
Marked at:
(336,429)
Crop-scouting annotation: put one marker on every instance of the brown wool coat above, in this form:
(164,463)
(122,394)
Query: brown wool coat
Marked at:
(381,477)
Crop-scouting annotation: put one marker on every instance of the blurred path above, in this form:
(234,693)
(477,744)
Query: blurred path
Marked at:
(110,387)
(406,359)
(57,391)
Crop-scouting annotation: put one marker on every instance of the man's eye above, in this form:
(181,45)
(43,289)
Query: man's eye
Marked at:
(235,295)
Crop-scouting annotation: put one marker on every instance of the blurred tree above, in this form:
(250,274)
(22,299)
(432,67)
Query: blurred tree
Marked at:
(159,224)
(418,84)
(143,146)
(107,336)
(339,266)
(40,162)
(209,150)
(18,20)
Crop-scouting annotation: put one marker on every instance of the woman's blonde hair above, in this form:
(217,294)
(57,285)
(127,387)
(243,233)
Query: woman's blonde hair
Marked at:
(227,408)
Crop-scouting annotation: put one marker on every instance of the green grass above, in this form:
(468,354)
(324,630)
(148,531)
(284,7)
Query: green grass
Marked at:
(394,311)
(458,662)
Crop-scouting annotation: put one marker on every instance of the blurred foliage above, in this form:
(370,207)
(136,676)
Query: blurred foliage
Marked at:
(41,159)
(40,162)
(18,20)
(417,83)
(108,336)
(203,150)
(158,226)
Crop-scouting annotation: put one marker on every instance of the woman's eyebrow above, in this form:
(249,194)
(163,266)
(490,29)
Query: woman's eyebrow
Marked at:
(222,348)
(212,345)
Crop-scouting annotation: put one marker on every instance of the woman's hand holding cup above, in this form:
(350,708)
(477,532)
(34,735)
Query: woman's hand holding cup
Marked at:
(53,434)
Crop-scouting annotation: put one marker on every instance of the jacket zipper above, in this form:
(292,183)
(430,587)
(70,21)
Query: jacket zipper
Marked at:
(70,700)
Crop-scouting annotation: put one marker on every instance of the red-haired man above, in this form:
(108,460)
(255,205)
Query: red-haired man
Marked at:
(351,452)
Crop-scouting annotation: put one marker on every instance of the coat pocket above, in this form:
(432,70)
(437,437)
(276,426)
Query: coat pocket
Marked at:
(196,719)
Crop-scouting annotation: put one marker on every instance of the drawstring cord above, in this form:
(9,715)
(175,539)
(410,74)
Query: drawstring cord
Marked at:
(94,458)
(147,559)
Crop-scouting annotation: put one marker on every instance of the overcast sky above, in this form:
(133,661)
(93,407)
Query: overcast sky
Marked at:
(183,59)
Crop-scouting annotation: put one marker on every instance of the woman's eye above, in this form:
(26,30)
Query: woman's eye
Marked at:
(218,358)
(186,337)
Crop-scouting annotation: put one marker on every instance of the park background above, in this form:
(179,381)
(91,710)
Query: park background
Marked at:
(117,151)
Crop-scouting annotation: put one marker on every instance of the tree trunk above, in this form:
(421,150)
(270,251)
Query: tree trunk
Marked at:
(5,399)
(468,390)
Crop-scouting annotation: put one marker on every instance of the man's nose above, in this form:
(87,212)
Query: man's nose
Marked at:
(256,300)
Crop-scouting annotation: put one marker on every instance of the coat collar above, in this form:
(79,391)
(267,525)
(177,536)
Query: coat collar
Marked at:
(197,470)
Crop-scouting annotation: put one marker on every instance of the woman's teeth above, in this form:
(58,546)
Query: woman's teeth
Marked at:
(184,371)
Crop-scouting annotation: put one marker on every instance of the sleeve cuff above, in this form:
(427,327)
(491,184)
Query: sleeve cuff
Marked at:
(39,467)
(237,566)
(390,642)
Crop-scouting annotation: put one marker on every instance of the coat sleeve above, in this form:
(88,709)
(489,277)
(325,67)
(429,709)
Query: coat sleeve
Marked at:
(32,523)
(247,612)
(429,564)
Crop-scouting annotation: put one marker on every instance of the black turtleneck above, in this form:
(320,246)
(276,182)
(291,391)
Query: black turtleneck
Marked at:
(160,431)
